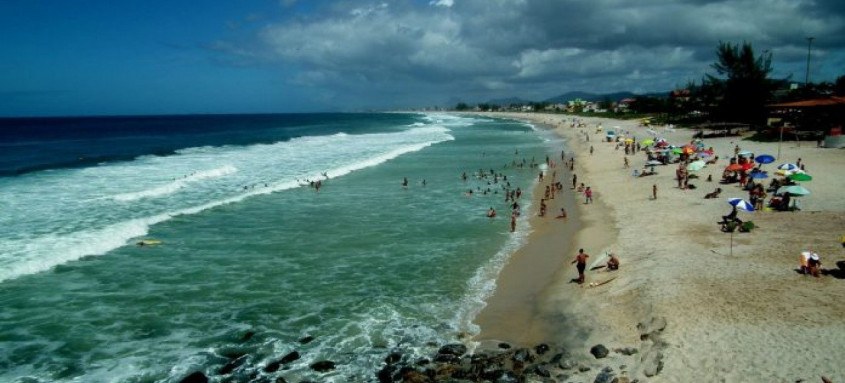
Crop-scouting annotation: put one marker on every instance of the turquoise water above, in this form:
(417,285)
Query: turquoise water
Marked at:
(364,265)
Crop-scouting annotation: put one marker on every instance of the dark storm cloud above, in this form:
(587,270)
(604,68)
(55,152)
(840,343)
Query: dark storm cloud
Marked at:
(533,48)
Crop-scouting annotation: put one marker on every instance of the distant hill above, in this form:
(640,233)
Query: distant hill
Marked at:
(508,101)
(587,96)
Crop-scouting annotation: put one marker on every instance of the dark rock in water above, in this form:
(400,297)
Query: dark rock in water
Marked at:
(274,365)
(491,373)
(456,349)
(196,377)
(306,339)
(599,351)
(280,380)
(393,357)
(539,371)
(247,336)
(447,358)
(232,365)
(522,355)
(541,348)
(504,346)
(508,377)
(605,376)
(290,357)
(422,362)
(323,366)
(415,376)
(583,368)
(621,379)
(385,375)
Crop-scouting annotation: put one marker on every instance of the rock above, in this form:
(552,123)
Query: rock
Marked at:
(606,376)
(306,339)
(567,364)
(621,379)
(504,346)
(539,371)
(323,366)
(274,365)
(541,348)
(290,357)
(280,380)
(583,368)
(522,355)
(195,377)
(507,377)
(247,336)
(447,358)
(415,376)
(599,351)
(385,375)
(393,357)
(232,365)
(626,350)
(456,349)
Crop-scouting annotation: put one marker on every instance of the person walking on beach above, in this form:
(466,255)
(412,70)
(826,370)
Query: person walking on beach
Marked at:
(513,222)
(626,163)
(581,263)
(654,191)
(588,195)
(574,180)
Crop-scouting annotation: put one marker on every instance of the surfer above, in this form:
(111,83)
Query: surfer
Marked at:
(491,213)
(404,182)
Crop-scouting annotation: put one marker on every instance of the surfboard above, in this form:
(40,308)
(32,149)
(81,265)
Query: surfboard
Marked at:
(597,284)
(148,242)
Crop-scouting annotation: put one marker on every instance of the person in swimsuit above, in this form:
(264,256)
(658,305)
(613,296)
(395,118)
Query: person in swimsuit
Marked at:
(581,263)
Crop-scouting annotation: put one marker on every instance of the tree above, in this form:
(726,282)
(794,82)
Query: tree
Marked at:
(461,106)
(744,78)
(839,86)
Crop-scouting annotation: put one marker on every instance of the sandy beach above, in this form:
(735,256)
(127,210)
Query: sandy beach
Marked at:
(698,304)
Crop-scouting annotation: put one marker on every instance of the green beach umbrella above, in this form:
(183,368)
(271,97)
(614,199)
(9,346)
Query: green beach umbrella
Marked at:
(800,177)
(696,165)
(648,142)
(795,190)
(677,150)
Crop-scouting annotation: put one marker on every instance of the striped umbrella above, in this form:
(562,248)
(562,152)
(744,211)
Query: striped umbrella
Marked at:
(741,204)
(789,167)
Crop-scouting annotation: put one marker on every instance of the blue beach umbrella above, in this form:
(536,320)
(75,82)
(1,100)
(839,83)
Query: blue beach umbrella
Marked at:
(759,175)
(764,159)
(741,204)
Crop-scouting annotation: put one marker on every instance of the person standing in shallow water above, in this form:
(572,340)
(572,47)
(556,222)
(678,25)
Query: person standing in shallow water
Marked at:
(581,263)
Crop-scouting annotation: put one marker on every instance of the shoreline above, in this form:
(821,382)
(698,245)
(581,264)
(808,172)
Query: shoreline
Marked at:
(687,301)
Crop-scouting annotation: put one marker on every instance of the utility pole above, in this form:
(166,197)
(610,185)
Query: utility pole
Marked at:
(809,46)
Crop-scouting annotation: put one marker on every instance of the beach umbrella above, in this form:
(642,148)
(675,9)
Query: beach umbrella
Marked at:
(704,154)
(759,175)
(789,167)
(741,204)
(734,167)
(764,159)
(800,177)
(747,166)
(653,162)
(648,142)
(677,150)
(745,154)
(696,165)
(794,190)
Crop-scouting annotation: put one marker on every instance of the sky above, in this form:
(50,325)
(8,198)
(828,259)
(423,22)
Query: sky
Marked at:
(133,57)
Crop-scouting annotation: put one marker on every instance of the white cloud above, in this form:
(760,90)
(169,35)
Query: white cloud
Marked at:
(535,46)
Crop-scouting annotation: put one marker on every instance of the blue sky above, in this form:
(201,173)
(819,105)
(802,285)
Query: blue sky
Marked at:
(160,57)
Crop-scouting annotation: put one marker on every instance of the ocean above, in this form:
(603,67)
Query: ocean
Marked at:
(253,262)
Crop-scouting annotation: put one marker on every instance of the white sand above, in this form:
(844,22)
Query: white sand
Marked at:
(740,315)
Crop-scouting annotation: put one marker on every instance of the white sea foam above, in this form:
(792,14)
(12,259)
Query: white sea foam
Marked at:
(62,216)
(177,184)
